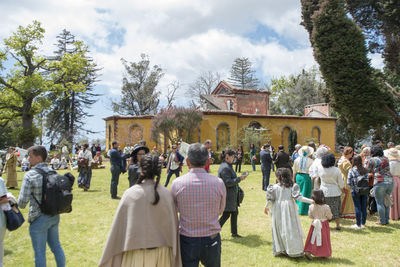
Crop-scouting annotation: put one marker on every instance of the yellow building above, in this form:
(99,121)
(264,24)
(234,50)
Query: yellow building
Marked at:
(224,119)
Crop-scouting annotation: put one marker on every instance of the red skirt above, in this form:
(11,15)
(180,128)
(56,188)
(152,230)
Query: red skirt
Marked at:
(325,249)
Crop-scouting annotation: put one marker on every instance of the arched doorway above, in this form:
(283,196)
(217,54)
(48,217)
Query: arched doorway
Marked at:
(285,136)
(223,135)
(316,134)
(135,133)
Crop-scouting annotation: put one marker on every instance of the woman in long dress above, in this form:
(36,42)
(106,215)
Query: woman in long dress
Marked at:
(287,232)
(145,228)
(394,162)
(345,166)
(11,168)
(301,176)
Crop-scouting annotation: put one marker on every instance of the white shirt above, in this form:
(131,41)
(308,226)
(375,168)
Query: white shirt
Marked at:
(25,162)
(87,155)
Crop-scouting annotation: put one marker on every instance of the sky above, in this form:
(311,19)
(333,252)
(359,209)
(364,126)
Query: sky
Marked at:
(184,37)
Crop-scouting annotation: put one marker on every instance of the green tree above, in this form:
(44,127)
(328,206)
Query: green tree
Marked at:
(289,95)
(25,86)
(139,94)
(340,50)
(68,112)
(242,75)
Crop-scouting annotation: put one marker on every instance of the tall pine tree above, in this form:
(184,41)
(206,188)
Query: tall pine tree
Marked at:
(68,112)
(242,75)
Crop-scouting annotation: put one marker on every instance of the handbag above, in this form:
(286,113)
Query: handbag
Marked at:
(240,195)
(14,218)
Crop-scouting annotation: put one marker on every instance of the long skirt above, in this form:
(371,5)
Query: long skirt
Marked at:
(161,256)
(305,183)
(12,177)
(325,249)
(85,175)
(395,209)
(348,210)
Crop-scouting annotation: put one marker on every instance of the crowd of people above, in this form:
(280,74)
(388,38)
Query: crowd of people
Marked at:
(310,182)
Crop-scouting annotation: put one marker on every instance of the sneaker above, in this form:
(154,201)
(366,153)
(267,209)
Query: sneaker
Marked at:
(362,226)
(355,226)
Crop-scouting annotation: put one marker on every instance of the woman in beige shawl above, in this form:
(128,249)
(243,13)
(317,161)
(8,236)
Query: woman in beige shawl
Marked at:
(11,168)
(145,227)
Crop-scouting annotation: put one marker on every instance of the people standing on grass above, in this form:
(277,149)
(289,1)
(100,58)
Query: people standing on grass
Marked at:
(11,168)
(287,232)
(344,165)
(200,199)
(133,169)
(253,157)
(43,228)
(359,194)
(332,185)
(266,163)
(85,167)
(318,242)
(239,158)
(383,182)
(174,165)
(393,156)
(208,145)
(145,227)
(116,166)
(301,168)
(231,181)
(282,159)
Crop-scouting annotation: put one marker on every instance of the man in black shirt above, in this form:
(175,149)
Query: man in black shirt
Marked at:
(282,159)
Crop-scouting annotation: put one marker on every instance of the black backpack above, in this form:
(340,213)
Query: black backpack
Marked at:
(362,185)
(56,192)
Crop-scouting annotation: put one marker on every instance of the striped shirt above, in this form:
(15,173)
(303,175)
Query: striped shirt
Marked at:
(32,183)
(200,199)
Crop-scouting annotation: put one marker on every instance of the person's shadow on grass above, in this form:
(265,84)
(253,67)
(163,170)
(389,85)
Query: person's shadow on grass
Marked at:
(250,241)
(330,260)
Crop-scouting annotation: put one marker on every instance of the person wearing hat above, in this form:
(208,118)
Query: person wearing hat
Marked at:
(301,168)
(174,164)
(393,156)
(133,169)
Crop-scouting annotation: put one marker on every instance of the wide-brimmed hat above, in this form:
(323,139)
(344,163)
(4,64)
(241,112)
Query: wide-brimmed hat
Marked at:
(137,148)
(393,154)
(307,149)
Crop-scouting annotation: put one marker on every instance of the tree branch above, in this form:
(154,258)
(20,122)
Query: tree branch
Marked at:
(394,91)
(392,113)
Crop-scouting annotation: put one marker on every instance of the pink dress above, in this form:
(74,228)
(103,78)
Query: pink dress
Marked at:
(318,241)
(395,209)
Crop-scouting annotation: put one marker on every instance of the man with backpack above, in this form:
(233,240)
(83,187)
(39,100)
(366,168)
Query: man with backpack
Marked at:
(43,228)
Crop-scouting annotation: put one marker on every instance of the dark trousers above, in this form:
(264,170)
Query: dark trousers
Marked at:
(360,205)
(238,164)
(176,172)
(206,250)
(85,176)
(266,172)
(115,172)
(224,218)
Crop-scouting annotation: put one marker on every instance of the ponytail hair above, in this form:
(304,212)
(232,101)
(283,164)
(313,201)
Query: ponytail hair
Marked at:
(150,166)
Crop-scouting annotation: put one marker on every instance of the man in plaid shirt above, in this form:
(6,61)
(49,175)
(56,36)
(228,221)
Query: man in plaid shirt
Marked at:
(43,228)
(200,199)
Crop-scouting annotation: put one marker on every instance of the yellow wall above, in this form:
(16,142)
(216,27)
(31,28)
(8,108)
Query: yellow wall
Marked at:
(208,127)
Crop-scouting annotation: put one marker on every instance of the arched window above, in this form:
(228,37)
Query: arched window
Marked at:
(255,125)
(316,133)
(285,136)
(223,135)
(135,133)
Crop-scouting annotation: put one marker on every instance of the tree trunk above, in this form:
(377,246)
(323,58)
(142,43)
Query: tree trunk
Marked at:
(27,136)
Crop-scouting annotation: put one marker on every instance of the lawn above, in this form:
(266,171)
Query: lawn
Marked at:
(84,231)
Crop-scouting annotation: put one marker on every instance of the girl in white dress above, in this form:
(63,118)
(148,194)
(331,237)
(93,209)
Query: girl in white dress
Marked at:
(287,233)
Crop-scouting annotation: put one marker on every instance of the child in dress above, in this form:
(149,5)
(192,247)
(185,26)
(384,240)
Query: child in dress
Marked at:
(318,241)
(287,233)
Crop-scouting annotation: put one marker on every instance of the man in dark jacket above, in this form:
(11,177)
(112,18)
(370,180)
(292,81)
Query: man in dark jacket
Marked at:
(282,159)
(266,162)
(116,162)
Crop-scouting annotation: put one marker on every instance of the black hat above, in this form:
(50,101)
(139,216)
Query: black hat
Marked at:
(136,149)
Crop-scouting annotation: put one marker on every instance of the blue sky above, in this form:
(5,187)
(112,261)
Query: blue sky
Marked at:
(185,37)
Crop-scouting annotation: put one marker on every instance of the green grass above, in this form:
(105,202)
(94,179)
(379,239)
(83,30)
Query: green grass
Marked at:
(84,231)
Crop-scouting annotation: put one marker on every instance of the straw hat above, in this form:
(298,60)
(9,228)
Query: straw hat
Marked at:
(307,149)
(393,154)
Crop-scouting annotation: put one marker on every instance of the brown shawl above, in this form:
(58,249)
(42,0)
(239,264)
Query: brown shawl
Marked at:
(140,224)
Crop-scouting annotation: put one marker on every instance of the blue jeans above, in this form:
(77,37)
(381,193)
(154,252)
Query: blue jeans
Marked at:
(176,172)
(253,163)
(45,229)
(266,173)
(382,190)
(206,250)
(115,172)
(360,205)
